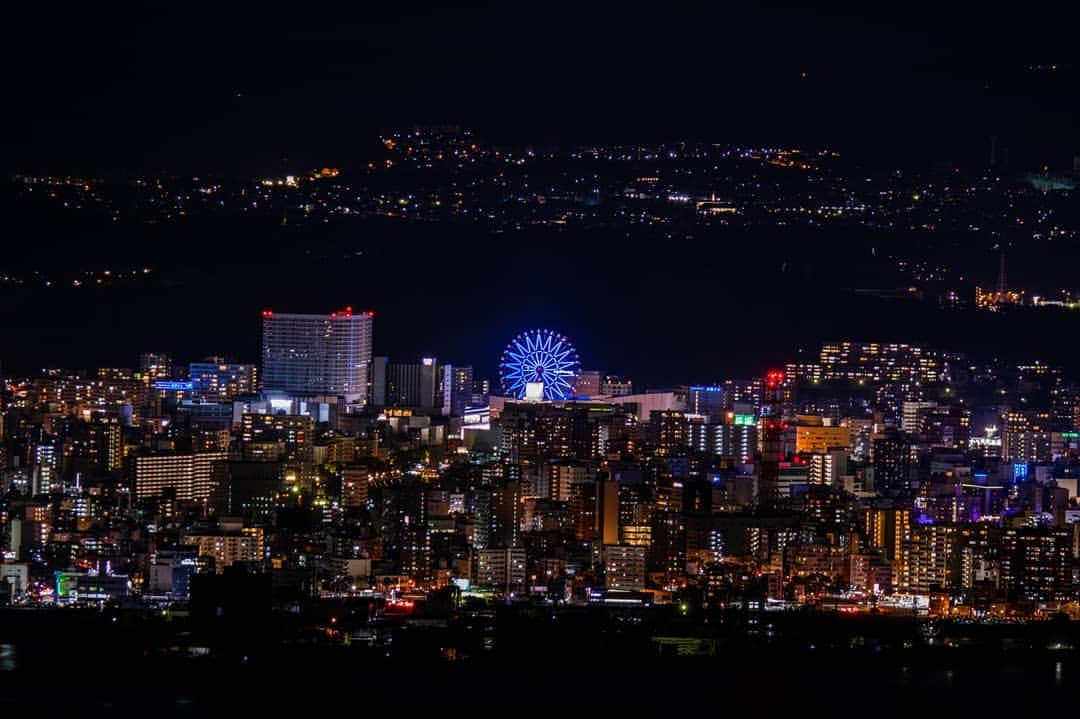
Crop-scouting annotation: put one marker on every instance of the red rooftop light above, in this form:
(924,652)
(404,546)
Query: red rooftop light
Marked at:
(267,313)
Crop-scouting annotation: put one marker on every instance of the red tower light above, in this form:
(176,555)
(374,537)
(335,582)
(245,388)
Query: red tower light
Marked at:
(267,313)
(774,378)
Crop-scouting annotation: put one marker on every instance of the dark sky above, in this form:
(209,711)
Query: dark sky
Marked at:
(205,87)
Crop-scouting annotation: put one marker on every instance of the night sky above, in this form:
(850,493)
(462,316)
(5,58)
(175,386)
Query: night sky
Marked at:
(209,88)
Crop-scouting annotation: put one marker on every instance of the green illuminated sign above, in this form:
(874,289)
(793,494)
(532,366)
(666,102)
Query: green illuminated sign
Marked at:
(64,583)
(745,419)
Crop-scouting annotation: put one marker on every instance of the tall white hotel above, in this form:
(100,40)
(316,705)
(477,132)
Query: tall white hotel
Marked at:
(309,355)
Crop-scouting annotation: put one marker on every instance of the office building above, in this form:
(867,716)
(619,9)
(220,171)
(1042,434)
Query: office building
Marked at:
(378,381)
(587,383)
(811,438)
(711,401)
(738,441)
(413,384)
(613,386)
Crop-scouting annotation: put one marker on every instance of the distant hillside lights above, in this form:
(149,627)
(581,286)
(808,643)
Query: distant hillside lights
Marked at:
(325,173)
(995,301)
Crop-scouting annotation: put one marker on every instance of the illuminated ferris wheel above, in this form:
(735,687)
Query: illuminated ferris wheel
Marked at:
(539,363)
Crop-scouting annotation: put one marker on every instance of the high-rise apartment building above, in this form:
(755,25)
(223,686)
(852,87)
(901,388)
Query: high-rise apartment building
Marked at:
(1036,563)
(739,441)
(317,354)
(190,475)
(888,530)
(882,362)
(228,548)
(624,567)
(502,569)
(217,379)
(155,366)
(930,559)
(295,433)
(46,478)
(457,389)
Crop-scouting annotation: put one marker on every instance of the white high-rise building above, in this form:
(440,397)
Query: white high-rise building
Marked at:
(46,475)
(311,355)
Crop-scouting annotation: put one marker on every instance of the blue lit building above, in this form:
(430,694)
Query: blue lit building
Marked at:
(707,400)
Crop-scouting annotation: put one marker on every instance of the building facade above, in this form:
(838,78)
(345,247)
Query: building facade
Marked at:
(190,475)
(317,354)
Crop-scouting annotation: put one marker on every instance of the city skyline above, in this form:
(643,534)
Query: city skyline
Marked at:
(477,354)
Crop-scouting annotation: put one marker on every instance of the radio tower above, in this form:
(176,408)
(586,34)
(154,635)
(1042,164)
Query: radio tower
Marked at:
(1001,288)
(772,442)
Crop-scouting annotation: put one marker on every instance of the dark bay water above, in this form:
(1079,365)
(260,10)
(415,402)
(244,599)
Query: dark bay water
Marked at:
(663,310)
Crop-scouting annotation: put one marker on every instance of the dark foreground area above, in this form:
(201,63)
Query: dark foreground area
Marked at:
(514,660)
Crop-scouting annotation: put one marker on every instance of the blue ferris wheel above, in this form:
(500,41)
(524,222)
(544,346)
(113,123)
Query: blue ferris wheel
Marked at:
(539,356)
